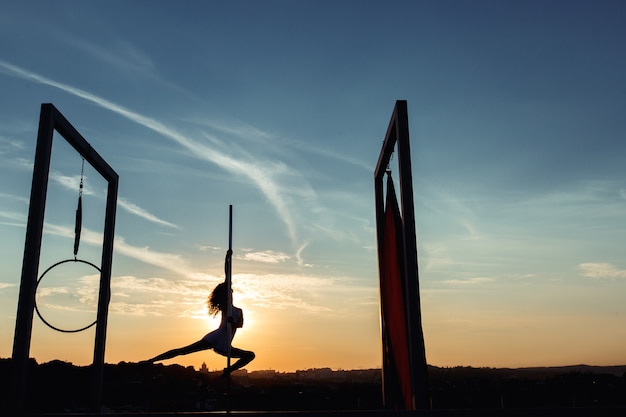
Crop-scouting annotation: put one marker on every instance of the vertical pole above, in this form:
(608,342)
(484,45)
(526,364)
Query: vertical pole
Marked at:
(104,295)
(30,265)
(229,303)
(229,300)
(419,368)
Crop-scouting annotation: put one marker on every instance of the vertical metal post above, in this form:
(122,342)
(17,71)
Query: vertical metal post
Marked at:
(104,296)
(419,372)
(30,263)
(229,302)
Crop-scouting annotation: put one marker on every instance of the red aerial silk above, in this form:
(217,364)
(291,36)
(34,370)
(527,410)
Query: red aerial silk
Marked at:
(395,331)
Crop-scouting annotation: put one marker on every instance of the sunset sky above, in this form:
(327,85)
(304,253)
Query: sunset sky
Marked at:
(517,115)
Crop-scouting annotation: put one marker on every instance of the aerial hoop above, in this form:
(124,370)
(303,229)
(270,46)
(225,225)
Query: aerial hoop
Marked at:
(58,329)
(77,230)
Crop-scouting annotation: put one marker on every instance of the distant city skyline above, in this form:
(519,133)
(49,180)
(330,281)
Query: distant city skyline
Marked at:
(516,117)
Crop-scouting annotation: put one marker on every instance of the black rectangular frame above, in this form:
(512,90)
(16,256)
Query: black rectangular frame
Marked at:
(398,133)
(52,120)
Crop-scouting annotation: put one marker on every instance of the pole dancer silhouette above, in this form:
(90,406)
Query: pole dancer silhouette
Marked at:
(219,339)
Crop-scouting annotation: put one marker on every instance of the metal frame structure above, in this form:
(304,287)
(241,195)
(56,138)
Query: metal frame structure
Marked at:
(52,120)
(398,133)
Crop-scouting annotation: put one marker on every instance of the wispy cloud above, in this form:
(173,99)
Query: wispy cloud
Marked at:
(12,215)
(122,54)
(260,174)
(11,161)
(8,145)
(130,295)
(283,291)
(167,261)
(204,248)
(70,182)
(311,294)
(456,209)
(154,296)
(138,211)
(332,155)
(157,296)
(268,256)
(251,133)
(468,281)
(73,182)
(299,254)
(185,296)
(599,270)
(170,261)
(239,129)
(437,257)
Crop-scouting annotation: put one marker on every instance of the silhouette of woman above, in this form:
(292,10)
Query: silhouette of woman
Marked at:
(218,339)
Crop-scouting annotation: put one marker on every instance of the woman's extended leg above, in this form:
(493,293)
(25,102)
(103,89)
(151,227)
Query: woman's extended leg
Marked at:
(194,347)
(244,357)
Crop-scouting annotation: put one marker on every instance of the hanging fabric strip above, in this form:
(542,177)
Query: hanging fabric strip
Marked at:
(78,225)
(394,310)
(79,211)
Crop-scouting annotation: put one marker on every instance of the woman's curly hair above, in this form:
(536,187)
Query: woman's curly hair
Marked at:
(217,300)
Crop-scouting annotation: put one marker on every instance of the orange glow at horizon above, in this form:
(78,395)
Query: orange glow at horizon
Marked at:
(289,332)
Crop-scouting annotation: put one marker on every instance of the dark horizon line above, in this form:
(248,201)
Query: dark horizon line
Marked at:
(556,367)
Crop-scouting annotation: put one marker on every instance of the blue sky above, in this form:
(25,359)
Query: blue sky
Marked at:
(516,114)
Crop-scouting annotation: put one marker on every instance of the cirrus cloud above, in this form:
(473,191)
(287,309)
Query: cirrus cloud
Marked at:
(267,256)
(601,270)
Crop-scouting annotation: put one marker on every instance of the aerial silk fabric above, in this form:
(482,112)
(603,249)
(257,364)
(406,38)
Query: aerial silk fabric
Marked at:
(78,224)
(395,332)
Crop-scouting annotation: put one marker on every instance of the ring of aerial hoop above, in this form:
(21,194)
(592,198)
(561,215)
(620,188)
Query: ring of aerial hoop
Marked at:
(37,286)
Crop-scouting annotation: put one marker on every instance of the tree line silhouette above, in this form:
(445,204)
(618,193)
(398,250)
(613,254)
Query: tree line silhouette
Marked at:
(59,386)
